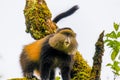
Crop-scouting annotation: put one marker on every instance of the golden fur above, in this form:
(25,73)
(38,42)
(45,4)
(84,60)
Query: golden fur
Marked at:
(33,50)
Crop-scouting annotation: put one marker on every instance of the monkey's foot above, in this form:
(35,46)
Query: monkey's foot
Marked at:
(30,76)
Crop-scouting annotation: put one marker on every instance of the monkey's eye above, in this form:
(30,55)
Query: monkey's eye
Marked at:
(67,33)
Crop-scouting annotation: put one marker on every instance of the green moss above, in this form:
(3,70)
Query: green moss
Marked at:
(22,79)
(81,70)
(57,78)
(37,17)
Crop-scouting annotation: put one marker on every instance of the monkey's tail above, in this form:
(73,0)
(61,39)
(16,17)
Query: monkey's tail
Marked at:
(66,13)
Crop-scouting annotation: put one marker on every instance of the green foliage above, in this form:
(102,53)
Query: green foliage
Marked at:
(112,41)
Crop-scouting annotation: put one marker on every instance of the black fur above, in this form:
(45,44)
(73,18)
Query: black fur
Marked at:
(65,14)
(51,58)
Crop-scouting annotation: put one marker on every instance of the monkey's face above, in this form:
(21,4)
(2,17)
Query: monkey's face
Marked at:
(64,40)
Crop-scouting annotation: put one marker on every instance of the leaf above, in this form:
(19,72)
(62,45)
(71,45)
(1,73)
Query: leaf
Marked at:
(109,64)
(112,35)
(118,34)
(116,66)
(116,26)
(116,73)
(110,43)
(113,55)
(107,41)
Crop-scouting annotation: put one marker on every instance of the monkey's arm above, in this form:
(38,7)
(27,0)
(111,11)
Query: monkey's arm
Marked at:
(66,13)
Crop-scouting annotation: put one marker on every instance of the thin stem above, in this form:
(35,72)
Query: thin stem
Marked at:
(115,76)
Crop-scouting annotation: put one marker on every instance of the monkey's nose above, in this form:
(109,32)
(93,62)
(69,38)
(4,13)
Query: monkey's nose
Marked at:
(67,42)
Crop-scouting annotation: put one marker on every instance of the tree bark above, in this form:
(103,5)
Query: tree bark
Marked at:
(97,59)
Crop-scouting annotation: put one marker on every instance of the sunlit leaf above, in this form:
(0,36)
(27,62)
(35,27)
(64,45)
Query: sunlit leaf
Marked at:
(107,40)
(118,34)
(111,35)
(116,26)
(116,66)
(109,64)
(113,55)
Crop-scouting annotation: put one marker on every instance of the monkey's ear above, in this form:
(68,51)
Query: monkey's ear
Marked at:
(75,34)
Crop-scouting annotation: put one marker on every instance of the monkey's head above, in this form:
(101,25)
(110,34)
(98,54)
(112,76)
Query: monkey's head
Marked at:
(64,40)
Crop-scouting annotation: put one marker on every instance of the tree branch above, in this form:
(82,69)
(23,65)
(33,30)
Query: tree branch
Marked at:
(38,19)
(96,68)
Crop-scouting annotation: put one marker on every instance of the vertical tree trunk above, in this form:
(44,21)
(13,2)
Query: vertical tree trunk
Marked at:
(97,59)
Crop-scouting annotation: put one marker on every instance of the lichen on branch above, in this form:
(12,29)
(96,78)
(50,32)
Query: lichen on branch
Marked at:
(38,19)
(97,59)
(81,70)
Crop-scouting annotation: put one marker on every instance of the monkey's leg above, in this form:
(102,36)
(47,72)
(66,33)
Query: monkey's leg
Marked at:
(28,70)
(45,69)
(65,72)
(27,66)
(52,75)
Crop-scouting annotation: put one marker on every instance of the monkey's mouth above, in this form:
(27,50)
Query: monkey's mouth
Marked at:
(66,43)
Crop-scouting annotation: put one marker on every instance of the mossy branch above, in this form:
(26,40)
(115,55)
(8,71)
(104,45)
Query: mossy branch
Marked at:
(97,59)
(38,19)
(81,70)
